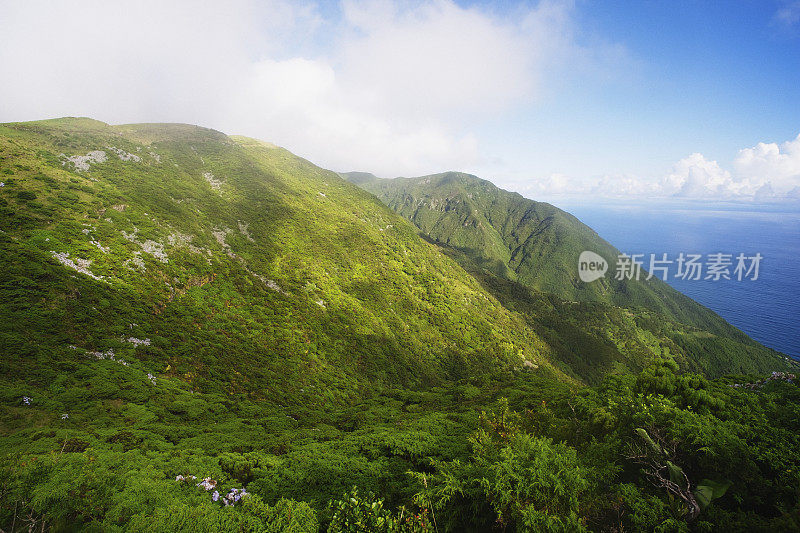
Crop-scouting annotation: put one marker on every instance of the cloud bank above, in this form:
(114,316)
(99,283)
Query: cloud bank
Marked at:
(766,172)
(392,87)
(388,86)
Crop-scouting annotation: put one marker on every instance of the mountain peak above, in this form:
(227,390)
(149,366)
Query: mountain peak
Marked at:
(534,246)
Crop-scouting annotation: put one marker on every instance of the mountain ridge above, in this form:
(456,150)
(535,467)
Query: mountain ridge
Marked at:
(517,237)
(305,276)
(206,332)
(169,215)
(533,244)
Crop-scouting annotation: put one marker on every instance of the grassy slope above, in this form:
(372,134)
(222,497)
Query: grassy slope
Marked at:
(250,385)
(535,246)
(273,276)
(241,280)
(593,339)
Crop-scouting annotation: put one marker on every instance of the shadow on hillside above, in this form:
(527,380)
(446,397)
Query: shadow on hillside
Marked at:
(471,259)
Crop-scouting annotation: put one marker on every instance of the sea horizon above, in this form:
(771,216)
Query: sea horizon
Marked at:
(765,308)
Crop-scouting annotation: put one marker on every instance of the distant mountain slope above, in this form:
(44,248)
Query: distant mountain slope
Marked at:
(359,177)
(525,253)
(237,267)
(532,243)
(593,339)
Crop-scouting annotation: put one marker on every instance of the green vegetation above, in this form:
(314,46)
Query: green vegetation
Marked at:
(525,253)
(208,333)
(242,263)
(550,457)
(533,243)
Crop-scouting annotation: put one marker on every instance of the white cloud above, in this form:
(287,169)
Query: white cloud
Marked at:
(557,184)
(696,177)
(620,186)
(609,186)
(789,14)
(385,86)
(767,171)
(121,61)
(771,163)
(438,59)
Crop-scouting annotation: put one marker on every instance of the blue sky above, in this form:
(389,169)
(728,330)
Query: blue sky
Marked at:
(714,76)
(708,77)
(622,99)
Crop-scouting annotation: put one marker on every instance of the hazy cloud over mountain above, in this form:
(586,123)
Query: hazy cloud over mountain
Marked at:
(380,85)
(510,91)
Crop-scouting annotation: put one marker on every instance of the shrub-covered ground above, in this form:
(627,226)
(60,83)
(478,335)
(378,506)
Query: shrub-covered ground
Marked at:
(207,333)
(661,451)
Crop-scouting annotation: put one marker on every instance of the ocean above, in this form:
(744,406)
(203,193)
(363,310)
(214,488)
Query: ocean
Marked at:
(768,308)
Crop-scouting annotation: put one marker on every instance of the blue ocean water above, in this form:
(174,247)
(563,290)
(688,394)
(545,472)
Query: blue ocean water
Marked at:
(767,309)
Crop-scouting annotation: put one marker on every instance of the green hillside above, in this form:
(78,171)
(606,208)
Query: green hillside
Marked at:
(532,243)
(187,314)
(243,264)
(525,253)
(593,340)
